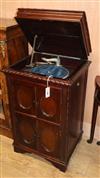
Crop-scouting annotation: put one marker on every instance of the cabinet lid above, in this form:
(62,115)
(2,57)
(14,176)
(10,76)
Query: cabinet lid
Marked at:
(58,32)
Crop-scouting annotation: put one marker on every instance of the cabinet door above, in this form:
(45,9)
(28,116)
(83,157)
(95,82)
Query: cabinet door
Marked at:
(49,108)
(49,139)
(24,97)
(25,130)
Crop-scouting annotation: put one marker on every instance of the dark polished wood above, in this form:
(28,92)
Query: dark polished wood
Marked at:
(13,47)
(50,127)
(5,131)
(95,109)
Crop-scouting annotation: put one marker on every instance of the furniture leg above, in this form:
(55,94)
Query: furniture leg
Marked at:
(94,115)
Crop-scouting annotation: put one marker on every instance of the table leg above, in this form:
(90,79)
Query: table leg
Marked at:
(98,143)
(94,116)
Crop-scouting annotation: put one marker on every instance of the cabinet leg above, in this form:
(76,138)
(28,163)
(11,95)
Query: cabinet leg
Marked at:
(61,167)
(94,115)
(18,150)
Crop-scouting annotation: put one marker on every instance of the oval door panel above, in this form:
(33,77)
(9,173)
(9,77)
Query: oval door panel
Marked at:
(25,97)
(26,130)
(48,106)
(49,139)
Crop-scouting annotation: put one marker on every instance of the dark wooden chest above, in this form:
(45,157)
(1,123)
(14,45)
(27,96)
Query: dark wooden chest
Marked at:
(13,47)
(50,126)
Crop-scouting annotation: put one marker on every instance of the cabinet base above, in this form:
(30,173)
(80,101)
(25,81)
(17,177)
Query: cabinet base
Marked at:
(60,165)
(6,132)
(18,150)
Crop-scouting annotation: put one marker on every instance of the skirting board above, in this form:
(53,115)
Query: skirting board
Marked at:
(86,129)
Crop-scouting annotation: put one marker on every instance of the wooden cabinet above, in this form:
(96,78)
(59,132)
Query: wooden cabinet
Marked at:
(50,126)
(38,120)
(13,47)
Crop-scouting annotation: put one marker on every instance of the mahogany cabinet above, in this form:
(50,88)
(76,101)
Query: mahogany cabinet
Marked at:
(50,126)
(13,47)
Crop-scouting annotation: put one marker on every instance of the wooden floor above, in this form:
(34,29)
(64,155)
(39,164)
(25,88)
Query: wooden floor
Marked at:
(84,163)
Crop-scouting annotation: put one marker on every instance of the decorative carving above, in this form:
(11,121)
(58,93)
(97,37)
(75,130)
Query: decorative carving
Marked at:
(55,81)
(3,48)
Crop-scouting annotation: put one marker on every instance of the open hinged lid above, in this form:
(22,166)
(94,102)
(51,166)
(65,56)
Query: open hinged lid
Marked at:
(58,32)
